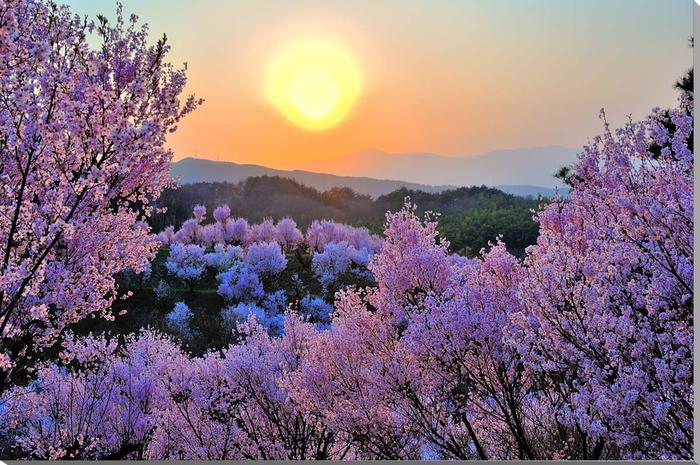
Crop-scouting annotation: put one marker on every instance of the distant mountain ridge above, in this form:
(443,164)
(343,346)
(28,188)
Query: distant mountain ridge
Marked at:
(529,166)
(534,191)
(191,170)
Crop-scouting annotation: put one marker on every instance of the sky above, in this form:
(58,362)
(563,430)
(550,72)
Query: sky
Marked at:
(454,78)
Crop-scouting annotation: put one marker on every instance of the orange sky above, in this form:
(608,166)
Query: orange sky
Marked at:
(452,78)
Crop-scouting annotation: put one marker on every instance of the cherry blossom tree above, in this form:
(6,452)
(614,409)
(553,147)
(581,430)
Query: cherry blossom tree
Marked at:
(323,232)
(265,258)
(317,310)
(237,405)
(99,401)
(187,262)
(240,283)
(264,232)
(237,231)
(332,262)
(222,213)
(82,133)
(608,296)
(288,234)
(179,320)
(223,256)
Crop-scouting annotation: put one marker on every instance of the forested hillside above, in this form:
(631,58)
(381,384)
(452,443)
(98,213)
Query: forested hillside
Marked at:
(470,216)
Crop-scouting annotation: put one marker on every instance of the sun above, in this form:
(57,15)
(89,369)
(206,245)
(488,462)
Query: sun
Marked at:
(314,83)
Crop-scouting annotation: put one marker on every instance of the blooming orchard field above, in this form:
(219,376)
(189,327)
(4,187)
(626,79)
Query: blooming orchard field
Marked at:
(342,344)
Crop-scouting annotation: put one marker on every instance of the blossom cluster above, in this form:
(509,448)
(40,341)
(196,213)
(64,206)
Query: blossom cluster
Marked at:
(336,259)
(187,262)
(237,231)
(247,258)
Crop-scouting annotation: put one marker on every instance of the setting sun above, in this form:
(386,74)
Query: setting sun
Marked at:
(314,83)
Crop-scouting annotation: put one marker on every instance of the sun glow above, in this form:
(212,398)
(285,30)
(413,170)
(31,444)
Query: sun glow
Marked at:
(314,83)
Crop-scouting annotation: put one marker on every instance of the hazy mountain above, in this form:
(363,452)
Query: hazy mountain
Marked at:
(532,167)
(191,170)
(534,191)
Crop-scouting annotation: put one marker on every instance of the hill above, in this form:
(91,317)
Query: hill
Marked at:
(470,216)
(193,170)
(535,191)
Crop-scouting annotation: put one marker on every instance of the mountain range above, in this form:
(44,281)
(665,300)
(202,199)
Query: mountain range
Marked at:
(531,166)
(526,172)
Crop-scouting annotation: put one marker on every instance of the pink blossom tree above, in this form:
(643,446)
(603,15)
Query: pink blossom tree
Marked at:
(148,400)
(187,262)
(237,405)
(237,231)
(322,232)
(264,232)
(98,401)
(288,234)
(608,297)
(82,133)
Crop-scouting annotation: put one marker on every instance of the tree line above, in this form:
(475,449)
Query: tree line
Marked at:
(470,217)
